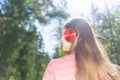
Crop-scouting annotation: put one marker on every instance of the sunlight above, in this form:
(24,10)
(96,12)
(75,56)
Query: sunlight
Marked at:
(77,7)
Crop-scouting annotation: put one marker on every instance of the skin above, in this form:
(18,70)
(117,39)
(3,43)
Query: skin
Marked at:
(65,45)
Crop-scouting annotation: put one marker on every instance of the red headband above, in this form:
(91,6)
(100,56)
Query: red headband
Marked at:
(70,35)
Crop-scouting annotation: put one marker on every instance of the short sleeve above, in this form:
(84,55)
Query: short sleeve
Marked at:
(48,74)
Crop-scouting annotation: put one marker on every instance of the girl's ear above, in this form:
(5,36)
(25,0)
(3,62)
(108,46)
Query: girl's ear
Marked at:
(70,34)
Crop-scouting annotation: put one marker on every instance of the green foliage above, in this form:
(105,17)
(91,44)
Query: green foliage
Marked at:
(107,27)
(59,53)
(20,58)
(108,24)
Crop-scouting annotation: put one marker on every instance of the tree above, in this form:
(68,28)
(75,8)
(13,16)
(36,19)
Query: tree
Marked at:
(108,24)
(20,58)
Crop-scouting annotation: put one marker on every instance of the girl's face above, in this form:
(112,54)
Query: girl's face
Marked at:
(65,45)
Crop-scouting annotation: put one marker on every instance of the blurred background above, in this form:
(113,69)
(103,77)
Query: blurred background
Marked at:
(30,32)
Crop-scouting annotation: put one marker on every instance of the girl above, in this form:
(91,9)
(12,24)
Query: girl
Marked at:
(86,59)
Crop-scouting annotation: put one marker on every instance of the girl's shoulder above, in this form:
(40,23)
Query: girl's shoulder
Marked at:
(67,59)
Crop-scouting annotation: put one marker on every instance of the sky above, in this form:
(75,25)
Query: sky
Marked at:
(74,8)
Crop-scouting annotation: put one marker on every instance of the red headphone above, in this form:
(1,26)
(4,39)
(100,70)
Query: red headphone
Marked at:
(70,34)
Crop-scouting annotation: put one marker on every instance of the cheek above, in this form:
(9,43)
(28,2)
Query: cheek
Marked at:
(63,41)
(65,45)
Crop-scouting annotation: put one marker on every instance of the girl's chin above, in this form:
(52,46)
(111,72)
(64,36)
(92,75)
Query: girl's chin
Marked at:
(64,49)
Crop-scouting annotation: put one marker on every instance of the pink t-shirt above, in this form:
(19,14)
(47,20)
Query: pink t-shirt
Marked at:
(62,68)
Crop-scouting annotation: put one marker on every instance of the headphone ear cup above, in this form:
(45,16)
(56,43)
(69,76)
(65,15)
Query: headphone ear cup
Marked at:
(70,35)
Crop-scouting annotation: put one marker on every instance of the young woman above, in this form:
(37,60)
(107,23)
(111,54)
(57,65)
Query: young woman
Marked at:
(86,59)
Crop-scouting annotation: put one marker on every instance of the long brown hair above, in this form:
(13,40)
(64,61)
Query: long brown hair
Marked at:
(92,62)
